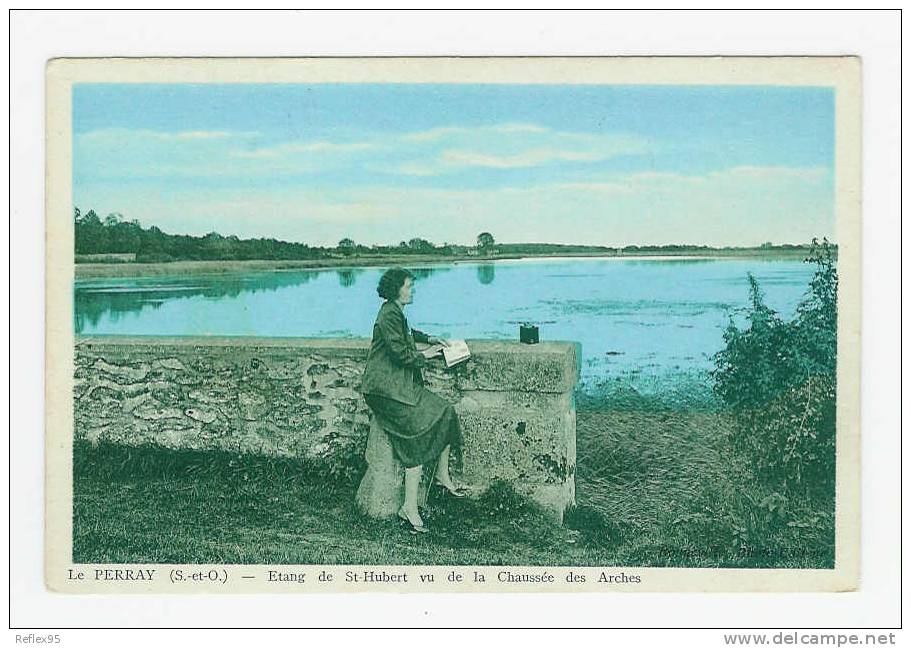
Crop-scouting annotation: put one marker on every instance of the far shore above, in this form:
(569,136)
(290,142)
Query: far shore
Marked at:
(128,270)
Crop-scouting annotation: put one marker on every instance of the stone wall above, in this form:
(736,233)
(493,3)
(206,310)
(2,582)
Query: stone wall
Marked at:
(295,397)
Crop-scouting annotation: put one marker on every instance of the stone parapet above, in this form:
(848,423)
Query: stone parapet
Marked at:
(295,397)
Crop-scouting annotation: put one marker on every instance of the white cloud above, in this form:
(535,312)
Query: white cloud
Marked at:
(511,146)
(196,135)
(113,135)
(113,154)
(125,153)
(415,169)
(528,158)
(735,206)
(303,148)
(435,134)
(761,172)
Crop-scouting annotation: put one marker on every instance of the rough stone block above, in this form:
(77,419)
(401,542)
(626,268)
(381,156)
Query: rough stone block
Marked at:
(531,447)
(382,489)
(553,498)
(548,367)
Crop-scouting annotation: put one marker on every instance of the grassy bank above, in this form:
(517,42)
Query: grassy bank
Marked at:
(126,270)
(653,489)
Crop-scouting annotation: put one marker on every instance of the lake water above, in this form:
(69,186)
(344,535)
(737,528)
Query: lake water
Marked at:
(640,320)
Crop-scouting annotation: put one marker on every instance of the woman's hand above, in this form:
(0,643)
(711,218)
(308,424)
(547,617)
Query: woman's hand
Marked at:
(436,340)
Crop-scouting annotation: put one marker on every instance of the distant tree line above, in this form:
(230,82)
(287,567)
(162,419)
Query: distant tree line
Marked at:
(115,235)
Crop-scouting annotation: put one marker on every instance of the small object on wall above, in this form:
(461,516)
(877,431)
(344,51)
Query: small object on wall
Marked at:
(528,333)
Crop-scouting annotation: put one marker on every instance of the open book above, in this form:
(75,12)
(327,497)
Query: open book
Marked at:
(456,352)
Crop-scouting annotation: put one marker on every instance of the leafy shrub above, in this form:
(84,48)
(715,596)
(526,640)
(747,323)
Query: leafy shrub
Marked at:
(343,460)
(778,379)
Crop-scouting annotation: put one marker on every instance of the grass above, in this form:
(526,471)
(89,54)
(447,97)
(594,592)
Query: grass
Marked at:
(681,499)
(152,505)
(654,488)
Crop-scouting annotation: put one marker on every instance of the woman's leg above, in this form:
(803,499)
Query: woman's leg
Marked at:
(412,484)
(442,473)
(443,476)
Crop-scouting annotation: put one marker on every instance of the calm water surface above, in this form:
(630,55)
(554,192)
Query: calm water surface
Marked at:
(642,317)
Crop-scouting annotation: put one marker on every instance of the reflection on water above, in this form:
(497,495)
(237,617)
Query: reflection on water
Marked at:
(677,261)
(633,317)
(347,276)
(113,298)
(428,271)
(486,273)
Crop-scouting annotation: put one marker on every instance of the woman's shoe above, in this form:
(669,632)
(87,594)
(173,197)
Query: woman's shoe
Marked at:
(415,528)
(458,491)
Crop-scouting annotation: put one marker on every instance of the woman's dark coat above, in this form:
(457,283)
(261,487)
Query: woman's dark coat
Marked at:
(393,364)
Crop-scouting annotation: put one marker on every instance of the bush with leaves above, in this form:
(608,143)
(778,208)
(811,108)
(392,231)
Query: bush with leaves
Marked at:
(343,460)
(777,377)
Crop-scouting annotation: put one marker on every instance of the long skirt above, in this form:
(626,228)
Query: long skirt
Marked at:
(418,433)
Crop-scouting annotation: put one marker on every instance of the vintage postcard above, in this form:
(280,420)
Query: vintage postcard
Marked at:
(453,325)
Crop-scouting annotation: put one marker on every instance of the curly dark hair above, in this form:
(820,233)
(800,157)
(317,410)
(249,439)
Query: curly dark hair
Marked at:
(391,283)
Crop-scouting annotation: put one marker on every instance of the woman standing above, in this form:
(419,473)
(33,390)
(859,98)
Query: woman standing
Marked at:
(421,426)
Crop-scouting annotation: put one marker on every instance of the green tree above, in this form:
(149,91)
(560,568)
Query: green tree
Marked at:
(485,240)
(90,234)
(421,245)
(347,246)
(91,218)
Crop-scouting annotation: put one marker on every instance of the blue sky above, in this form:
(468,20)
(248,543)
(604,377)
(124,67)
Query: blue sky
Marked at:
(381,163)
